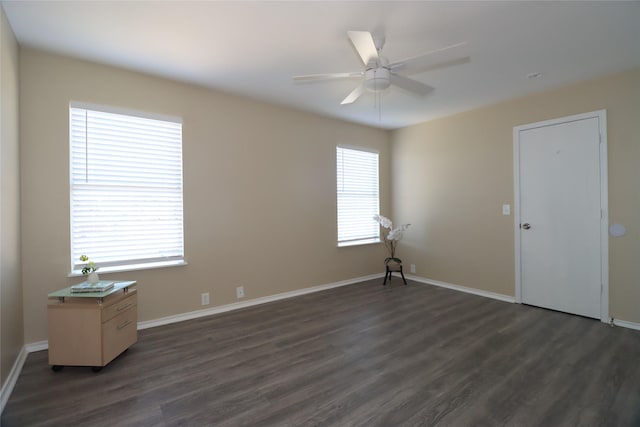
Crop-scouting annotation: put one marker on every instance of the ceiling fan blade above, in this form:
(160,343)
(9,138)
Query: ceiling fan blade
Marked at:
(439,58)
(410,85)
(328,76)
(363,42)
(355,94)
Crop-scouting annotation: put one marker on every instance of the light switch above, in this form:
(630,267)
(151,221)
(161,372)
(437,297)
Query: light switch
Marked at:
(506,209)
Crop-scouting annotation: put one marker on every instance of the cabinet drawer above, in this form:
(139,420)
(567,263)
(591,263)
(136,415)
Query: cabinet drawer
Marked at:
(119,333)
(126,303)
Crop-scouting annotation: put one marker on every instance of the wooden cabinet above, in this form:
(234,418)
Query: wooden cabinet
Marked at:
(92,330)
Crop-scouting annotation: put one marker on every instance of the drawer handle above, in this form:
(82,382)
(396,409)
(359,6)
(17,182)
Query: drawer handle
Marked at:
(124,324)
(123,307)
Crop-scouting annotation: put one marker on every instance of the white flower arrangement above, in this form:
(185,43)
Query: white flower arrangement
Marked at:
(89,267)
(392,236)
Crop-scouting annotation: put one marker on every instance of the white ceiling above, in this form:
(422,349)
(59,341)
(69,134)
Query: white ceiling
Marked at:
(254,48)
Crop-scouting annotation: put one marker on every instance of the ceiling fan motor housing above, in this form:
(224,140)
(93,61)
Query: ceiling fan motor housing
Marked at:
(377,79)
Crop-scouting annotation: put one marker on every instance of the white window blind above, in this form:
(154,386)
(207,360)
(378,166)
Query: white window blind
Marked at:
(358,198)
(126,188)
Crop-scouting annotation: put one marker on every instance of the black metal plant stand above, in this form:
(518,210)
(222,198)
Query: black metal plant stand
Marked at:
(391,265)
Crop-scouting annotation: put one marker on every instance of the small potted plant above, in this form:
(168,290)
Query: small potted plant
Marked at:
(89,269)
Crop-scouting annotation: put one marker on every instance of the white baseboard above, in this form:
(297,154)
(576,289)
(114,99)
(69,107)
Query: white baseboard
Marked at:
(501,297)
(625,324)
(43,345)
(248,303)
(12,378)
(487,294)
(37,346)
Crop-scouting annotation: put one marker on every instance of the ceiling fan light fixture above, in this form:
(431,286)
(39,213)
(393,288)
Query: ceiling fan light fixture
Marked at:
(379,74)
(377,79)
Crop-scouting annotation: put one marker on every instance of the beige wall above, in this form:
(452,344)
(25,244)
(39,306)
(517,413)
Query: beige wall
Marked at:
(259,190)
(11,324)
(452,175)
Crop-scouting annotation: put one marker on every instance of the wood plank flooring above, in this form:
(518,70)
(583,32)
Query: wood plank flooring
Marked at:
(359,355)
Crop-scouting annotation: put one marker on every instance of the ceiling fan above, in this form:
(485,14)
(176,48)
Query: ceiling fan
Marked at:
(379,73)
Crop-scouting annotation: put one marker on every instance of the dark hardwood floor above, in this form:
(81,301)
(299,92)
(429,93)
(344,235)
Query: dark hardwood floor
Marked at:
(359,355)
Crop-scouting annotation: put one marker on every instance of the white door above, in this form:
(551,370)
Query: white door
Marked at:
(561,178)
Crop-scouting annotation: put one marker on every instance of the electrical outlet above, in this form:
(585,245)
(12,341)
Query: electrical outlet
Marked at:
(412,268)
(240,292)
(204,298)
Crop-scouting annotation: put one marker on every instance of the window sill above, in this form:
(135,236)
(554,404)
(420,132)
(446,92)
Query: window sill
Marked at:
(359,243)
(132,267)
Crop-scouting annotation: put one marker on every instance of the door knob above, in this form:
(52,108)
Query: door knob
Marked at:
(526,226)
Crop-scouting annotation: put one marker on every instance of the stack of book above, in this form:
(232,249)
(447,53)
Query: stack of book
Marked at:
(100,286)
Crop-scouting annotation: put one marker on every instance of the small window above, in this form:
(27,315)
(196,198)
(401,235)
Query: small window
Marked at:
(358,196)
(126,189)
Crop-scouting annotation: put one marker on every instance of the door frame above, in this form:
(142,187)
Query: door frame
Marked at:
(601,115)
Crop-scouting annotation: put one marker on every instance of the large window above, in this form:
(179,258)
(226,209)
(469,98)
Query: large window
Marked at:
(126,188)
(358,199)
